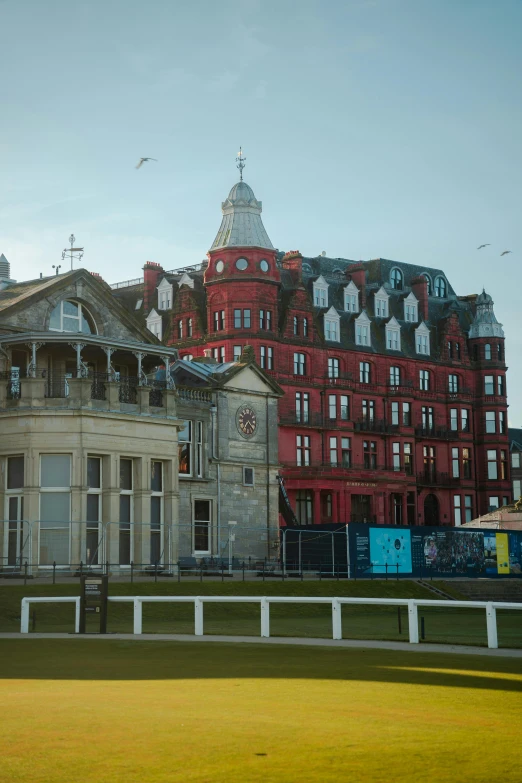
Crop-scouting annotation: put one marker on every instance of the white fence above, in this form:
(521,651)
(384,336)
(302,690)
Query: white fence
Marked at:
(265,601)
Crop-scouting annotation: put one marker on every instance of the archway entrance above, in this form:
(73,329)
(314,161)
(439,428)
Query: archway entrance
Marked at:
(431,510)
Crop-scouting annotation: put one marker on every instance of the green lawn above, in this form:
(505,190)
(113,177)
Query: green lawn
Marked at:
(159,712)
(461,626)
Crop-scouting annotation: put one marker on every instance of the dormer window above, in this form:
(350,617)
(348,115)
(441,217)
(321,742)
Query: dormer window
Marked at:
(164,295)
(393,335)
(70,316)
(396,279)
(351,298)
(155,324)
(441,287)
(331,325)
(362,330)
(320,292)
(381,303)
(428,281)
(411,309)
(422,340)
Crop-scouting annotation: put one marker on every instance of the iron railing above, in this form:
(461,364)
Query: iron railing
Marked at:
(128,392)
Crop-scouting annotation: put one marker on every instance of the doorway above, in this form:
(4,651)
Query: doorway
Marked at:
(431,510)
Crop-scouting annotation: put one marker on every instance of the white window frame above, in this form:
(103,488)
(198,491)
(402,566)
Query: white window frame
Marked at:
(422,340)
(332,325)
(161,495)
(333,367)
(208,551)
(155,324)
(363,334)
(164,295)
(98,492)
(237,353)
(351,298)
(129,492)
(81,309)
(18,493)
(411,309)
(381,303)
(54,490)
(320,287)
(393,335)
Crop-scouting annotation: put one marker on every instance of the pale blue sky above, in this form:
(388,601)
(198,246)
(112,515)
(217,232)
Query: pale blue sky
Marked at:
(371,128)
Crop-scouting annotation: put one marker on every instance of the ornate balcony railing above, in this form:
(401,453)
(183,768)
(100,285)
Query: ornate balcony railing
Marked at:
(196,395)
(372,425)
(128,389)
(440,433)
(433,478)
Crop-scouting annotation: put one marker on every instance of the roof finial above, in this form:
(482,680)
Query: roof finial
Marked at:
(240,160)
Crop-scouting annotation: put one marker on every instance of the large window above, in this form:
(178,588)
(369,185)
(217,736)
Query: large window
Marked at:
(333,367)
(396,279)
(370,454)
(457,512)
(334,456)
(395,376)
(70,316)
(455,462)
(202,526)
(156,511)
(441,287)
(219,320)
(408,459)
(299,364)
(265,320)
(126,511)
(368,410)
(346,452)
(94,510)
(302,443)
(454,419)
(331,329)
(490,422)
(15,511)
(396,455)
(465,420)
(364,372)
(492,465)
(190,449)
(424,380)
(332,407)
(344,407)
(55,508)
(427,414)
(453,383)
(242,318)
(395,414)
(302,407)
(304,507)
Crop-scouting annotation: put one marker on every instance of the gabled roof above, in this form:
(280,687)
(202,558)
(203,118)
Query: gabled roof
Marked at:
(393,323)
(220,374)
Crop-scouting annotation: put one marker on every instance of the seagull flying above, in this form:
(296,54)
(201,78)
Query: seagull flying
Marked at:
(144,160)
(481,246)
(506,252)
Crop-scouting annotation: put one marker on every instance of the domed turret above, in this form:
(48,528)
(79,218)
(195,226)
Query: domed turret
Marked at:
(241,225)
(485,323)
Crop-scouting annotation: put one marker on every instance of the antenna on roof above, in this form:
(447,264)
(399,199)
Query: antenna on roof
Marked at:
(72,252)
(240,161)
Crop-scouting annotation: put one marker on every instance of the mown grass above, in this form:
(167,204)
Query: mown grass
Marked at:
(460,626)
(137,712)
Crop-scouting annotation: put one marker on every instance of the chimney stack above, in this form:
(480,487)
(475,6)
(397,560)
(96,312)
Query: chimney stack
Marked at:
(419,287)
(357,273)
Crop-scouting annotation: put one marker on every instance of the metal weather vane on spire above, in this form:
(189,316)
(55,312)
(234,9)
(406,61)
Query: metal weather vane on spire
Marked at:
(240,160)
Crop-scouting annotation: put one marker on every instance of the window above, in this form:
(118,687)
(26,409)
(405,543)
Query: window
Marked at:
(94,510)
(304,507)
(362,334)
(422,340)
(202,526)
(364,372)
(411,309)
(163,300)
(381,306)
(368,410)
(305,327)
(333,452)
(248,477)
(155,324)
(189,327)
(427,414)
(180,330)
(428,281)
(450,350)
(517,489)
(262,357)
(395,376)
(492,465)
(156,511)
(269,358)
(241,264)
(370,454)
(331,329)
(351,298)
(333,367)
(490,421)
(296,325)
(500,352)
(396,455)
(408,459)
(515,459)
(464,420)
(500,386)
(219,320)
(187,357)
(430,461)
(245,315)
(493,503)
(393,338)
(15,535)
(489,384)
(303,450)
(466,463)
(503,465)
(139,303)
(265,320)
(332,406)
(406,414)
(453,383)
(237,319)
(299,364)
(345,407)
(395,414)
(190,449)
(126,512)
(396,279)
(346,452)
(454,419)
(219,354)
(55,508)
(424,380)
(487,352)
(237,353)
(440,287)
(70,316)
(320,292)
(302,407)
(457,351)
(457,518)
(468,508)
(455,463)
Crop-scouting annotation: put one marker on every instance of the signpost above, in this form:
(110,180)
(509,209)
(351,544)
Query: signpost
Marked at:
(93,600)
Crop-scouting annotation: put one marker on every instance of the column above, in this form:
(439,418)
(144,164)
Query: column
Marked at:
(317,506)
(142,378)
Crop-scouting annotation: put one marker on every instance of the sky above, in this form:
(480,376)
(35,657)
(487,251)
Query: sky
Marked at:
(371,128)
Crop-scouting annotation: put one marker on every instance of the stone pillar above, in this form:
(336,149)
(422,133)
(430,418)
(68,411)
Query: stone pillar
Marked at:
(170,402)
(32,392)
(113,395)
(79,392)
(111,506)
(144,399)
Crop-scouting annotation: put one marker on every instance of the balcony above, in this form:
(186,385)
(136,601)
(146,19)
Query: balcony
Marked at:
(437,433)
(461,395)
(435,479)
(344,379)
(303,420)
(373,425)
(404,389)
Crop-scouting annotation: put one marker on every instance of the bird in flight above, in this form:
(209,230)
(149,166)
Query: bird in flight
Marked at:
(481,246)
(505,252)
(144,160)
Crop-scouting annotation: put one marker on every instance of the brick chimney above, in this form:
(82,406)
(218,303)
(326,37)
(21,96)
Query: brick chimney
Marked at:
(357,273)
(293,262)
(419,287)
(151,273)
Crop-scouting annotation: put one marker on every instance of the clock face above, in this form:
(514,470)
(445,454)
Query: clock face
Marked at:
(246,421)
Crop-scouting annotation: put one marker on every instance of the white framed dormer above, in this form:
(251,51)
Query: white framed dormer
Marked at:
(411,308)
(186,279)
(381,303)
(363,335)
(320,292)
(422,340)
(332,325)
(393,335)
(155,324)
(164,295)
(351,298)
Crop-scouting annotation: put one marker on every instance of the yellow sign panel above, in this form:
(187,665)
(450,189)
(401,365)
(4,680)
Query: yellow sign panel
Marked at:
(502,553)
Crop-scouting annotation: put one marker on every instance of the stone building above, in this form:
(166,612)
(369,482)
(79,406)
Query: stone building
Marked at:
(96,433)
(515,448)
(395,404)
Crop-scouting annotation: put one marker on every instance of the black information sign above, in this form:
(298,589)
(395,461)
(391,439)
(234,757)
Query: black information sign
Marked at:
(93,600)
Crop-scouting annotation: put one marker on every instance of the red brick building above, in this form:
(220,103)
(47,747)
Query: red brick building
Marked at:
(395,407)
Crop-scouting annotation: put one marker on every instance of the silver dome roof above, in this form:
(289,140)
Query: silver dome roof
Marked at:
(241,225)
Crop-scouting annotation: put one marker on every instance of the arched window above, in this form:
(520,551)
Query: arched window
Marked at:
(396,279)
(500,352)
(305,327)
(296,325)
(428,280)
(440,287)
(70,316)
(487,352)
